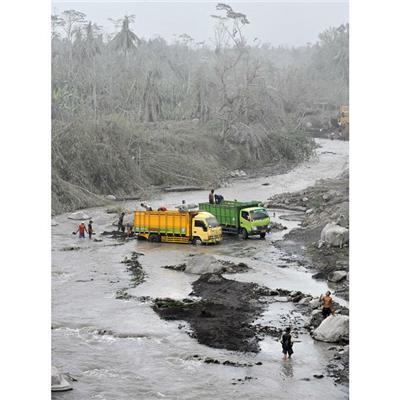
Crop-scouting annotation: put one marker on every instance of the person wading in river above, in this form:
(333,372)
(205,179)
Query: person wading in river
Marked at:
(90,229)
(327,309)
(287,344)
(81,229)
(121,226)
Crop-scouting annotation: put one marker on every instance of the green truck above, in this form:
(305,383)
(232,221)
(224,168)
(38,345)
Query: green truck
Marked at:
(242,218)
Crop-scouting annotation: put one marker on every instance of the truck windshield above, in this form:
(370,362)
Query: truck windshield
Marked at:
(212,222)
(257,215)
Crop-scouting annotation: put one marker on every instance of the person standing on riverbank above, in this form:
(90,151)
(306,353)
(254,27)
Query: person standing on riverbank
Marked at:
(287,344)
(327,301)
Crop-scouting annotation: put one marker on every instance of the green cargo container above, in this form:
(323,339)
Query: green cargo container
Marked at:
(242,218)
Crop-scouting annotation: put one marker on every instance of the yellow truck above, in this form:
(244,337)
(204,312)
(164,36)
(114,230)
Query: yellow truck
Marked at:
(174,226)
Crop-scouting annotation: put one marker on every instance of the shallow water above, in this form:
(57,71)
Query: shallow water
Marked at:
(147,358)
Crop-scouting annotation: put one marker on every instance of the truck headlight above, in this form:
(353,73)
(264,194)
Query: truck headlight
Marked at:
(254,228)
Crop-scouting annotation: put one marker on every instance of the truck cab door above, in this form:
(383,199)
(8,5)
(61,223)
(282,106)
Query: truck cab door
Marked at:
(199,227)
(245,220)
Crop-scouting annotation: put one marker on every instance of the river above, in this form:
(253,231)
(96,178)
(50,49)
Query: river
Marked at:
(148,358)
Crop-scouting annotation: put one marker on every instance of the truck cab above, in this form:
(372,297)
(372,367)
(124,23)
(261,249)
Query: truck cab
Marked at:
(205,229)
(254,221)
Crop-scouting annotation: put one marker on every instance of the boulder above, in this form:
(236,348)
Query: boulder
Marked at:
(333,329)
(54,223)
(111,197)
(316,318)
(314,303)
(337,276)
(334,235)
(305,300)
(58,381)
(282,299)
(203,264)
(79,215)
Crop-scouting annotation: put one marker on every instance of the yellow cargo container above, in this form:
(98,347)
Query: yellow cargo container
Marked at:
(177,226)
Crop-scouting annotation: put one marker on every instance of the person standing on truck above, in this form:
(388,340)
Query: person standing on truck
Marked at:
(146,206)
(327,301)
(211,197)
(218,198)
(81,229)
(90,229)
(287,344)
(184,206)
(121,226)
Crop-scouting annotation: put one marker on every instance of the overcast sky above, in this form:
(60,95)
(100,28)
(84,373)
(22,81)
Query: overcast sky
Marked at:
(279,23)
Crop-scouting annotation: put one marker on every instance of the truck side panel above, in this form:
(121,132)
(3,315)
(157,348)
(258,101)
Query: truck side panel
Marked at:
(162,222)
(226,215)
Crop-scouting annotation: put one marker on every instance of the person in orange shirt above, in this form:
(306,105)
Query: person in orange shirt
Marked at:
(81,229)
(327,301)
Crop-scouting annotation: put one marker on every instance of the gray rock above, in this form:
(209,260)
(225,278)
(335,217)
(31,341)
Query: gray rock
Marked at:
(58,381)
(333,329)
(314,303)
(334,235)
(282,299)
(337,276)
(305,300)
(79,215)
(111,197)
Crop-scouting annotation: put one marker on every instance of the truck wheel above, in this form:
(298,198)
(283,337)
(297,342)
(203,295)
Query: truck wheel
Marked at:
(262,235)
(197,241)
(243,234)
(154,238)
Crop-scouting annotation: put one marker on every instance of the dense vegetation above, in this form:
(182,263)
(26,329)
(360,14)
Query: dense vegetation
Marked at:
(129,113)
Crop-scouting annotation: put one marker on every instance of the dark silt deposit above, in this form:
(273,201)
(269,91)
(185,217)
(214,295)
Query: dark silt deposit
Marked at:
(222,319)
(225,316)
(117,235)
(135,269)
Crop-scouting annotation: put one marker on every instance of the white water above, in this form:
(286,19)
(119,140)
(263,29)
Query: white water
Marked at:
(149,358)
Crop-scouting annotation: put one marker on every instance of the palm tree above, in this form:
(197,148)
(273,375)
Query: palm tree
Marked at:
(125,40)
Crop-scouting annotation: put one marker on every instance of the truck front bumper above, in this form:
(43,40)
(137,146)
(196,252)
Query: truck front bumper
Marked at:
(260,229)
(214,239)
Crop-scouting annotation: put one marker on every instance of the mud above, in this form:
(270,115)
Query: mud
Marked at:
(223,316)
(117,235)
(277,226)
(338,367)
(227,267)
(223,313)
(135,269)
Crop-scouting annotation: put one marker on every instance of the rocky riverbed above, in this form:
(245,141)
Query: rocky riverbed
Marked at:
(325,202)
(143,320)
